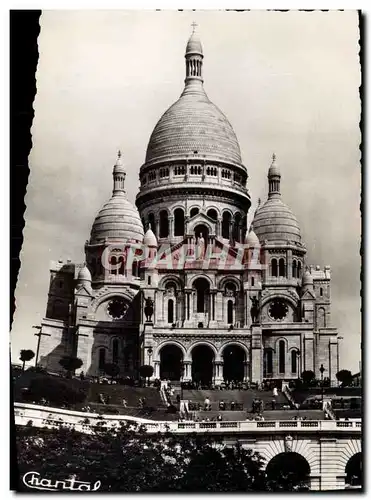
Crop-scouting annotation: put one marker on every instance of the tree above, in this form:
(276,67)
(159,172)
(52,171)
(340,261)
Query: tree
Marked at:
(26,355)
(70,363)
(55,391)
(345,377)
(308,377)
(127,459)
(146,371)
(111,369)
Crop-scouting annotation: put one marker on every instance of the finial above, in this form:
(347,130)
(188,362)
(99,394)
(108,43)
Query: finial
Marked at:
(119,154)
(259,202)
(273,157)
(194,26)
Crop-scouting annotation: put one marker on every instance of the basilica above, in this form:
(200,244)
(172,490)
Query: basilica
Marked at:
(179,282)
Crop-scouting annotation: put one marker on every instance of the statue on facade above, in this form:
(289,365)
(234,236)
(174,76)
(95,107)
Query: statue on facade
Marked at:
(148,309)
(200,247)
(254,311)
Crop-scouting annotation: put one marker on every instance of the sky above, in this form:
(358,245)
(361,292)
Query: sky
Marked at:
(288,83)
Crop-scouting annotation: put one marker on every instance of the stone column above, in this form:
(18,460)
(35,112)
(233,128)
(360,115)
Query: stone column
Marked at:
(218,227)
(256,354)
(157,227)
(218,372)
(246,370)
(171,227)
(289,264)
(156,369)
(187,376)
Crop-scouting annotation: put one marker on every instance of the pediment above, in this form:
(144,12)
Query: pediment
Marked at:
(201,219)
(308,295)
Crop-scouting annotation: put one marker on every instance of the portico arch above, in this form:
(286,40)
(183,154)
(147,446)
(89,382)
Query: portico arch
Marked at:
(171,362)
(353,471)
(234,359)
(203,357)
(288,471)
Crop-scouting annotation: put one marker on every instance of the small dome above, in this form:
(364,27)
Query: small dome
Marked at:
(194,45)
(84,274)
(274,221)
(150,238)
(274,169)
(117,220)
(307,278)
(252,240)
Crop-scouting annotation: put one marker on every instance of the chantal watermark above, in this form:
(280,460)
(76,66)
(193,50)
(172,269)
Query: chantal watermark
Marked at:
(33,480)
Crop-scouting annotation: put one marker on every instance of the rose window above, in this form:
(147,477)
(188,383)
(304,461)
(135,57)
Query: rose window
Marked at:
(278,310)
(117,308)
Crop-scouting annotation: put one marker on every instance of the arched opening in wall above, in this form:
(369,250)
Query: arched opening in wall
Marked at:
(178,222)
(274,268)
(113,264)
(194,211)
(294,361)
(170,311)
(268,362)
(321,318)
(226,224)
(102,358)
(202,365)
(237,227)
(298,271)
(151,222)
(171,361)
(212,213)
(233,363)
(164,224)
(115,351)
(135,269)
(321,291)
(282,356)
(282,267)
(288,471)
(230,312)
(353,471)
(243,227)
(201,285)
(294,269)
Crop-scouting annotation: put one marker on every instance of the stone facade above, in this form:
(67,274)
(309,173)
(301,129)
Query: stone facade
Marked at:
(178,282)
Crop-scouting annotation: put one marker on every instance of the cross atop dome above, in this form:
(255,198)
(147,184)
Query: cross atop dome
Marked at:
(194,26)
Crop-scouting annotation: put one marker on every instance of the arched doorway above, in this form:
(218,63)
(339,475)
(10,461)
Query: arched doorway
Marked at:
(201,285)
(353,471)
(234,363)
(171,360)
(288,471)
(202,364)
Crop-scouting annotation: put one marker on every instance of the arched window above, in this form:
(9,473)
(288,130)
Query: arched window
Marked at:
(121,269)
(268,362)
(294,361)
(212,214)
(252,281)
(281,267)
(113,262)
(294,269)
(102,358)
(281,356)
(321,291)
(321,318)
(164,224)
(298,272)
(149,280)
(230,312)
(135,268)
(274,267)
(178,222)
(115,351)
(237,227)
(226,222)
(194,211)
(170,311)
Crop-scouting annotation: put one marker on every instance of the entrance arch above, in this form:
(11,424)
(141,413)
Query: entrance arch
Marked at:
(289,471)
(171,361)
(234,363)
(202,364)
(353,471)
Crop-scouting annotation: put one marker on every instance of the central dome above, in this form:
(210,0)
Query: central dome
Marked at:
(193,124)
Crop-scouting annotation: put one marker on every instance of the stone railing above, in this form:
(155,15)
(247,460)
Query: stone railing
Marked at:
(42,416)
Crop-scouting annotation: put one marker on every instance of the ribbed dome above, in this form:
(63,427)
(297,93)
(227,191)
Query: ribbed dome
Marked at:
(252,240)
(117,220)
(84,274)
(193,124)
(307,278)
(150,239)
(274,221)
(194,45)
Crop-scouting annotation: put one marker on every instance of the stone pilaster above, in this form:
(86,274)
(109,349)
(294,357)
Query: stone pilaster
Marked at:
(256,354)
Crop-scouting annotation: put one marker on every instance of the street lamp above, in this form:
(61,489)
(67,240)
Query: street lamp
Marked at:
(37,327)
(322,369)
(149,352)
